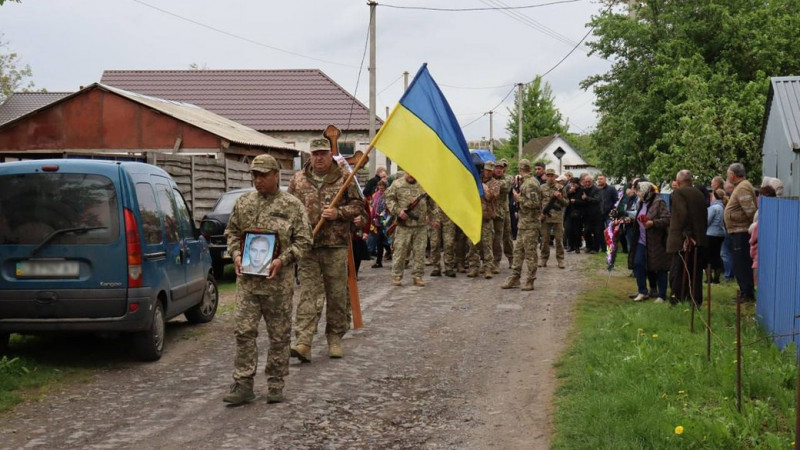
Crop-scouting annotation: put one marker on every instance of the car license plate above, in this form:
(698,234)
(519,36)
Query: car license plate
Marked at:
(47,268)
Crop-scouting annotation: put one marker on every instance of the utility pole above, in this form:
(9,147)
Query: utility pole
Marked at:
(372,95)
(405,81)
(491,132)
(519,116)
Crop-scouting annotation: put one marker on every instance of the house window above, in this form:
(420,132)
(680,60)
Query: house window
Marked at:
(346,148)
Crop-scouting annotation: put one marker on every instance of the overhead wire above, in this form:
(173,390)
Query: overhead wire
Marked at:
(525,20)
(427,8)
(242,38)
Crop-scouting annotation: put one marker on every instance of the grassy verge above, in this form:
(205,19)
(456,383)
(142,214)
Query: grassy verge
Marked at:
(636,377)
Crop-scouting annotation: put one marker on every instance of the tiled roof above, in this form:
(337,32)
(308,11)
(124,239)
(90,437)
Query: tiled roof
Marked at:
(266,100)
(21,103)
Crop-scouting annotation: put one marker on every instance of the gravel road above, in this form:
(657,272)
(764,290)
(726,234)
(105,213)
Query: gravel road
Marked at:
(458,363)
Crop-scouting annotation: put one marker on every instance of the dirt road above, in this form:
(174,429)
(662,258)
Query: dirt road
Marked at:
(458,363)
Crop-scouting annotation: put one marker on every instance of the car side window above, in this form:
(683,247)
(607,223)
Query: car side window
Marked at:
(183,213)
(148,209)
(167,207)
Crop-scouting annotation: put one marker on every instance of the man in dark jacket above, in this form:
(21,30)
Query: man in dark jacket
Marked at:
(589,204)
(608,200)
(687,239)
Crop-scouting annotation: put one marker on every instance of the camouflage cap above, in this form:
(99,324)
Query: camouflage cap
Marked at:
(524,164)
(319,144)
(503,162)
(550,172)
(264,163)
(488,165)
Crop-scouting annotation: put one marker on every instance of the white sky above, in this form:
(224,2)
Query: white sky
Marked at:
(475,57)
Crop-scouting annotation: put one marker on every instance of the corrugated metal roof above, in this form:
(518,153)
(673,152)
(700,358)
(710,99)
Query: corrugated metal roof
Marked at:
(266,100)
(785,95)
(20,103)
(206,120)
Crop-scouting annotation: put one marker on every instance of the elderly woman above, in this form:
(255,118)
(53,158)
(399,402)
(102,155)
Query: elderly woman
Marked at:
(649,252)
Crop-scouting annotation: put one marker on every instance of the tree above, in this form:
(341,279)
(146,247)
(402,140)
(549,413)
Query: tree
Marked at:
(12,77)
(688,85)
(539,116)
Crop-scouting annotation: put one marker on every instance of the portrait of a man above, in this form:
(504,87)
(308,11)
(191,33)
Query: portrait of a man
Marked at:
(258,249)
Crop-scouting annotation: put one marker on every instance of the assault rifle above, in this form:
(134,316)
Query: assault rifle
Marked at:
(551,205)
(390,231)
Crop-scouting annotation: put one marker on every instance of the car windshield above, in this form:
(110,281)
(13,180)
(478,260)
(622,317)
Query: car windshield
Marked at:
(226,202)
(68,208)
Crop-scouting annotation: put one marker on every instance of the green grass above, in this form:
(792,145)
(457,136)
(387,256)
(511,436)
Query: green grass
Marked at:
(634,372)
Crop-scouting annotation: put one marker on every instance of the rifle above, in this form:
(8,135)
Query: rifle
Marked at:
(552,203)
(390,231)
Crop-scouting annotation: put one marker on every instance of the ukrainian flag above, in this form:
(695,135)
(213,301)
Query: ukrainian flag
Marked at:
(423,137)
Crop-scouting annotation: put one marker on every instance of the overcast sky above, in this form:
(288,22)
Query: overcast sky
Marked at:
(475,57)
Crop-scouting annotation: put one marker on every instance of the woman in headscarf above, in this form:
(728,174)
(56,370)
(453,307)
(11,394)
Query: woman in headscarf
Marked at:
(649,252)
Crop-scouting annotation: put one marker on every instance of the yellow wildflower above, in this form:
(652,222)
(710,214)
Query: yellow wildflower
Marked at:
(655,336)
(679,430)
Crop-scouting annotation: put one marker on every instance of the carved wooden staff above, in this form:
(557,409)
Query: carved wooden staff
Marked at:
(332,134)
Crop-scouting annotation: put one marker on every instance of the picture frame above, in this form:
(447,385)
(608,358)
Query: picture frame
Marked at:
(259,248)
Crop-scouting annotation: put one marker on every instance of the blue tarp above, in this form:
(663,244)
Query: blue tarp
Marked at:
(480,156)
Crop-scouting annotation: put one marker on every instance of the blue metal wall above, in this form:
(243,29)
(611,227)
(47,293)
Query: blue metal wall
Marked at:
(778,266)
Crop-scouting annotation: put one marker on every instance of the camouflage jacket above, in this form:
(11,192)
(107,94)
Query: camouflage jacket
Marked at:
(334,233)
(506,183)
(530,203)
(400,194)
(556,205)
(490,199)
(280,213)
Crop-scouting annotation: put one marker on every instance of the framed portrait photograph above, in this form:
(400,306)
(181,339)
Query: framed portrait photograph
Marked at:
(258,252)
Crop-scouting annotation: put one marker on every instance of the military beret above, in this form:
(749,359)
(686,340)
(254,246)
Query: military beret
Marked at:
(488,165)
(503,162)
(524,164)
(264,163)
(319,144)
(550,172)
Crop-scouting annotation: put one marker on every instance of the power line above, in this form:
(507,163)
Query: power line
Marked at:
(525,20)
(425,8)
(573,48)
(236,36)
(475,88)
(358,80)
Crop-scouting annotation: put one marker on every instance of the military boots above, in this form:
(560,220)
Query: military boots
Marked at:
(335,346)
(241,392)
(302,352)
(275,395)
(473,272)
(511,282)
(436,272)
(528,285)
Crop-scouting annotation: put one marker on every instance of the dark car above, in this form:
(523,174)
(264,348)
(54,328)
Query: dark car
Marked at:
(99,246)
(213,229)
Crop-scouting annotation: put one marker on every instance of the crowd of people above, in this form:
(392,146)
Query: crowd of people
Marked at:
(522,217)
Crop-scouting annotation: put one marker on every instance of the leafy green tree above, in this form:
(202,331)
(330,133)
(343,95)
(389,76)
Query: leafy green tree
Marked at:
(12,77)
(540,117)
(688,84)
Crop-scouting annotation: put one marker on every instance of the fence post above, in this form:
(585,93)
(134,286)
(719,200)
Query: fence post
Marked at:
(739,351)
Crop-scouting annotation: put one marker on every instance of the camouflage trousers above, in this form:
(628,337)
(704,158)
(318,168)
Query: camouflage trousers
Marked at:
(408,240)
(525,251)
(322,274)
(450,236)
(558,234)
(437,241)
(277,313)
(484,248)
(502,243)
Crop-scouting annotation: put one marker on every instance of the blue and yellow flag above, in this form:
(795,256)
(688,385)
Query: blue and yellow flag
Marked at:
(423,137)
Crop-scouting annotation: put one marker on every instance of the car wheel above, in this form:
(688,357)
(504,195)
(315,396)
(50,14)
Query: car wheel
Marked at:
(4,339)
(149,345)
(218,267)
(204,311)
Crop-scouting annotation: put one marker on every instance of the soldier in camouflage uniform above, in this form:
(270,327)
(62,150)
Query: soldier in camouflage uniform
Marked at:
(554,203)
(270,296)
(436,238)
(491,193)
(528,228)
(450,234)
(410,235)
(323,272)
(502,222)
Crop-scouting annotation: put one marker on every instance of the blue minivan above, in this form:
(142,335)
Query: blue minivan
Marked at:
(101,246)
